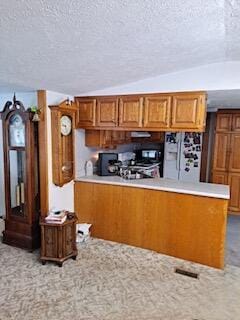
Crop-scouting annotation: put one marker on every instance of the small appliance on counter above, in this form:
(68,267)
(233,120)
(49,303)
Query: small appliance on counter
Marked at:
(89,168)
(108,164)
(149,157)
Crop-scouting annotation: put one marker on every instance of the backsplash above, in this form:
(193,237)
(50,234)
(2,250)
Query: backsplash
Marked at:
(83,153)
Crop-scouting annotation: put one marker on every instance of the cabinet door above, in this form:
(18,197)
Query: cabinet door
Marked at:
(68,239)
(106,139)
(107,112)
(236,122)
(130,112)
(234,182)
(50,242)
(119,137)
(221,152)
(234,161)
(157,112)
(224,122)
(99,138)
(220,177)
(188,111)
(86,112)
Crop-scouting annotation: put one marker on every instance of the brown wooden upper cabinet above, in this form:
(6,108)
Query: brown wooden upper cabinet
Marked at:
(236,122)
(224,122)
(188,111)
(107,112)
(86,112)
(157,111)
(154,112)
(130,112)
(227,122)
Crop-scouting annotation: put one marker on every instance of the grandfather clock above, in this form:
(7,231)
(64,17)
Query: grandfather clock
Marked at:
(20,143)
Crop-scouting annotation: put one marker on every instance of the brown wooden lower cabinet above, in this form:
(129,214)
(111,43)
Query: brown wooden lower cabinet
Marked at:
(58,241)
(220,177)
(181,225)
(234,182)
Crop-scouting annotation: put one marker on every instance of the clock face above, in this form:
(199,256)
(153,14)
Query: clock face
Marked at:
(16,131)
(66,125)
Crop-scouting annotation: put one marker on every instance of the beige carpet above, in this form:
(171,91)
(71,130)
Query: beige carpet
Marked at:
(111,281)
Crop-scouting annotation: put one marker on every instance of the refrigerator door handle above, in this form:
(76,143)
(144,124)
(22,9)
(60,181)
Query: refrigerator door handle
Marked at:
(178,155)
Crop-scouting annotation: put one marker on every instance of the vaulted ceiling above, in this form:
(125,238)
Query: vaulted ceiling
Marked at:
(78,46)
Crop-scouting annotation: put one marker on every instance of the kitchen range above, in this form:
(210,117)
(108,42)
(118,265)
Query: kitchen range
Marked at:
(144,163)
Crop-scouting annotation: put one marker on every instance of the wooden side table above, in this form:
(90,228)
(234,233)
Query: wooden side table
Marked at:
(58,241)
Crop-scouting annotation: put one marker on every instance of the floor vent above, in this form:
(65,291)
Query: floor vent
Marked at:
(187,273)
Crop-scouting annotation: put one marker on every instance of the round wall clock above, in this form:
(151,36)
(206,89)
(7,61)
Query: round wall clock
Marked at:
(66,125)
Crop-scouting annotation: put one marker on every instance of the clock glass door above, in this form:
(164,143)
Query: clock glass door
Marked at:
(16,131)
(17,162)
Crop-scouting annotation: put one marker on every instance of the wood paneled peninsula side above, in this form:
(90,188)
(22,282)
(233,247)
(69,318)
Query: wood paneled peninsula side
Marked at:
(181,219)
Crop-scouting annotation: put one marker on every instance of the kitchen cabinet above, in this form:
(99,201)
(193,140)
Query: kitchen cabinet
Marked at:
(234,153)
(228,122)
(188,111)
(226,158)
(157,112)
(99,138)
(234,182)
(121,137)
(220,177)
(152,112)
(130,112)
(106,138)
(186,226)
(236,123)
(109,139)
(224,122)
(86,112)
(221,153)
(107,112)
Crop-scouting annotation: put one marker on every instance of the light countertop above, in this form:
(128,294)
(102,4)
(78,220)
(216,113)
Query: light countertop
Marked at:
(199,188)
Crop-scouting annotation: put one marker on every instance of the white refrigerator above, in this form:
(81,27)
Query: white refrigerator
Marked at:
(182,156)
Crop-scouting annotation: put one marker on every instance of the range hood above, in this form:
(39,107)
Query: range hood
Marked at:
(140,134)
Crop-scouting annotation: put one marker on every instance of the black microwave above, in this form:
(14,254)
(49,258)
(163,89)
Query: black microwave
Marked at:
(149,155)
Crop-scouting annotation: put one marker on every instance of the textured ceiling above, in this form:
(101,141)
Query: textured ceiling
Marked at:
(78,46)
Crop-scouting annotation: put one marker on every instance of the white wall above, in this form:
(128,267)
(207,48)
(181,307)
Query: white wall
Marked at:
(217,76)
(59,197)
(84,153)
(28,99)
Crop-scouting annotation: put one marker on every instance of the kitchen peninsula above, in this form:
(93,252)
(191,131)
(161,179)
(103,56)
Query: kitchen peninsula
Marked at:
(181,219)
